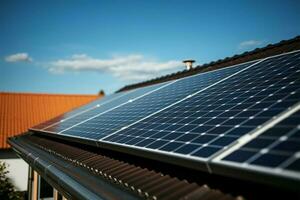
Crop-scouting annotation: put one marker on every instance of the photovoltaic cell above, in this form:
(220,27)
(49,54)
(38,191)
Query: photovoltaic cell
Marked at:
(110,102)
(213,119)
(79,110)
(107,123)
(278,147)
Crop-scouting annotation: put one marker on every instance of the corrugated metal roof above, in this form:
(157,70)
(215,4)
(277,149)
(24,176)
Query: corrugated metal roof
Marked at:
(143,182)
(20,111)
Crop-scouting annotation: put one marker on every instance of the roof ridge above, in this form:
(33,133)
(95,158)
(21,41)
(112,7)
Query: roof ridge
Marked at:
(258,53)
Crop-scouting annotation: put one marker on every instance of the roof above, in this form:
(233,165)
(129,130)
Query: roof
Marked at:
(138,181)
(20,111)
(133,173)
(258,53)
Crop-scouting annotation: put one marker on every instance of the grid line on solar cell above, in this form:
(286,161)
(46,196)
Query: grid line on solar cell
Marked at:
(78,111)
(274,150)
(117,106)
(185,98)
(247,101)
(91,108)
(250,137)
(121,117)
(277,147)
(125,98)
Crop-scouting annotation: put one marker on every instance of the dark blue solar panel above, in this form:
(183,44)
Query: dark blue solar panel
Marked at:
(78,111)
(213,119)
(110,102)
(116,119)
(278,147)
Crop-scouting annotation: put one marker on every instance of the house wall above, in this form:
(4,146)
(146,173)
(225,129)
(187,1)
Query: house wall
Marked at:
(18,172)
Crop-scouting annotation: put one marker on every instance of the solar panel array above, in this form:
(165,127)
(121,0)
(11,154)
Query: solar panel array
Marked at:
(95,124)
(211,120)
(201,116)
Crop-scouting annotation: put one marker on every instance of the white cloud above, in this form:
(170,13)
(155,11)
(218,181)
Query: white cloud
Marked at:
(250,43)
(18,57)
(134,67)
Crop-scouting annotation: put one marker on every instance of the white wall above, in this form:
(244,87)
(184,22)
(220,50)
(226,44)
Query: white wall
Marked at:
(18,172)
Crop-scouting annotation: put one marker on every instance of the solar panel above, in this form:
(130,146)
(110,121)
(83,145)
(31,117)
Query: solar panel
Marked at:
(106,123)
(275,150)
(95,108)
(199,119)
(210,121)
(78,111)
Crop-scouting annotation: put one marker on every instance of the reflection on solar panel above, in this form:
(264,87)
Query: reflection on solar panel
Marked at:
(78,111)
(275,150)
(96,108)
(118,118)
(211,120)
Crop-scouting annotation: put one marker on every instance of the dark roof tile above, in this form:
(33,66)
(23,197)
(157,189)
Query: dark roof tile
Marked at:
(269,50)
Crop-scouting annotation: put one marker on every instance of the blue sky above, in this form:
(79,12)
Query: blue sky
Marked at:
(84,46)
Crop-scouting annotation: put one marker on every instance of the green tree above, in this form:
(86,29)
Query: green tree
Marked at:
(7,190)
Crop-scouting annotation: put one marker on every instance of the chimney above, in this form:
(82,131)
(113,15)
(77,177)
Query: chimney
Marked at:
(189,64)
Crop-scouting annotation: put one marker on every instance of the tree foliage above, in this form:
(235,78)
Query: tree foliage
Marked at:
(7,190)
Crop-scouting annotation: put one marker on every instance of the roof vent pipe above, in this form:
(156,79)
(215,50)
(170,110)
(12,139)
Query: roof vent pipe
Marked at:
(189,64)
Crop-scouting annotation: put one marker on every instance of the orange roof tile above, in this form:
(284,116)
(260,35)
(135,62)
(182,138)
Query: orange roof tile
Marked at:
(20,111)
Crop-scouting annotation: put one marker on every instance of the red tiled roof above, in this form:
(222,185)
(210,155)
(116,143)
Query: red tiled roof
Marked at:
(20,111)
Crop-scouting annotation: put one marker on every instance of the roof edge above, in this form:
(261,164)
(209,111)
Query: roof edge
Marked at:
(258,53)
(55,171)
